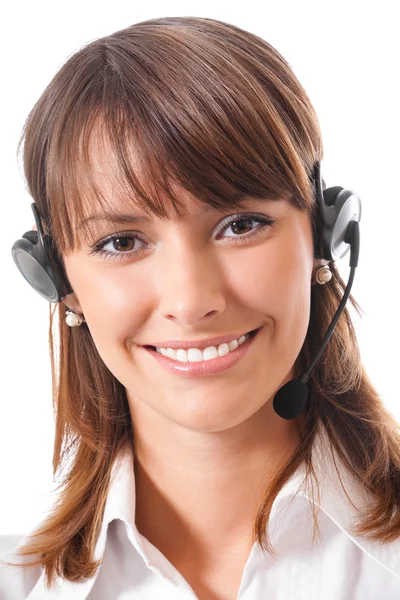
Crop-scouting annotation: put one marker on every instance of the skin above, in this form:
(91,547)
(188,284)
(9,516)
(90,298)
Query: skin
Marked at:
(205,448)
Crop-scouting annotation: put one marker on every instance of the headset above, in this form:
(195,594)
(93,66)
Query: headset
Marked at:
(336,230)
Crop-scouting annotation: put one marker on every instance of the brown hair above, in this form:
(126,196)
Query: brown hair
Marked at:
(219,111)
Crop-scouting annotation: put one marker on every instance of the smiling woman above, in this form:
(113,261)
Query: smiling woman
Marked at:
(174,167)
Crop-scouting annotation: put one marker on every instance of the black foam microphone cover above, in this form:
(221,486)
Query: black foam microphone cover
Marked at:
(290,400)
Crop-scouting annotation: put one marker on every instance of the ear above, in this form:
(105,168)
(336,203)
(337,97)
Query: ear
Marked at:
(320,262)
(72,303)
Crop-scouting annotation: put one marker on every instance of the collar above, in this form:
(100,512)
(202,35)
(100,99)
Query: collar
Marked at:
(333,501)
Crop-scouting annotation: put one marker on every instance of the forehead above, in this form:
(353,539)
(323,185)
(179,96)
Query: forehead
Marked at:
(122,206)
(108,188)
(119,179)
(107,193)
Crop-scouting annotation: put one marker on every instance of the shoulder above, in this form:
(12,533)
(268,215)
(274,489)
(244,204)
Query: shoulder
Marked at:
(15,582)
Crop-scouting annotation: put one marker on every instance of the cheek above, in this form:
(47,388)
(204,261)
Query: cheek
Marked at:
(115,305)
(275,280)
(276,285)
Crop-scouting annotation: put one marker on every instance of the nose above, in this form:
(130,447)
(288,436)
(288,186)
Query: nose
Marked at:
(191,288)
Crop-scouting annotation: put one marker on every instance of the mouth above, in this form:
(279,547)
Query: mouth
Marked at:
(204,367)
(250,333)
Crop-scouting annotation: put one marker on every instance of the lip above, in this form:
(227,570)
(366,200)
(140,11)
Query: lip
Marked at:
(200,344)
(207,367)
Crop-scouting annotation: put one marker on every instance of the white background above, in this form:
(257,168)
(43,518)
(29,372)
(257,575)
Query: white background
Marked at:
(345,54)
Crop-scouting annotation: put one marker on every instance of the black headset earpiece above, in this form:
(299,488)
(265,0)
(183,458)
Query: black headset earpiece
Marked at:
(336,208)
(36,258)
(39,264)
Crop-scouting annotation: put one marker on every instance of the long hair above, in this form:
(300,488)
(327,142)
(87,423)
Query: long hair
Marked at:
(219,111)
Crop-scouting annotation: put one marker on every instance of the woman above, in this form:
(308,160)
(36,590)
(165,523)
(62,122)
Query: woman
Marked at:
(172,165)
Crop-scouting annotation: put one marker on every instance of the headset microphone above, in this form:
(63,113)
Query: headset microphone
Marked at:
(290,400)
(335,231)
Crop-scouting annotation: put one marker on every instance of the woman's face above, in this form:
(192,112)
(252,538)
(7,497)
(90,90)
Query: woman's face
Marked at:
(189,280)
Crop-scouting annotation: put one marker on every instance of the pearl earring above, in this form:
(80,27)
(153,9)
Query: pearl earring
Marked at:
(323,275)
(72,319)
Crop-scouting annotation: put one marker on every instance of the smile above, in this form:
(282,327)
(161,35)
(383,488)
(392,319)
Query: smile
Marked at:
(198,363)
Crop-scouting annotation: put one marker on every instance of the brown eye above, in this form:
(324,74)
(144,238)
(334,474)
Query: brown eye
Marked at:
(126,244)
(242,227)
(238,228)
(121,245)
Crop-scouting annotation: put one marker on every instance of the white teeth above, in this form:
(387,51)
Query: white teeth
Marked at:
(196,355)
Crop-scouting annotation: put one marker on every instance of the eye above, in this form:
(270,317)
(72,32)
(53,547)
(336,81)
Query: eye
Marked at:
(241,223)
(126,239)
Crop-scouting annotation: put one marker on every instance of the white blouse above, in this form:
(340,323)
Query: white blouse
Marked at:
(340,566)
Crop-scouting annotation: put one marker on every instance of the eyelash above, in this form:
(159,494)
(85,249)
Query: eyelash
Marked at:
(97,249)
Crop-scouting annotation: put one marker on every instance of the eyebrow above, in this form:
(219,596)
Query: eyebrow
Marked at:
(121,218)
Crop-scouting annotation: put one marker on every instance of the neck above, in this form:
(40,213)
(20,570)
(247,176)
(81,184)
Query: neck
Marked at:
(201,490)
